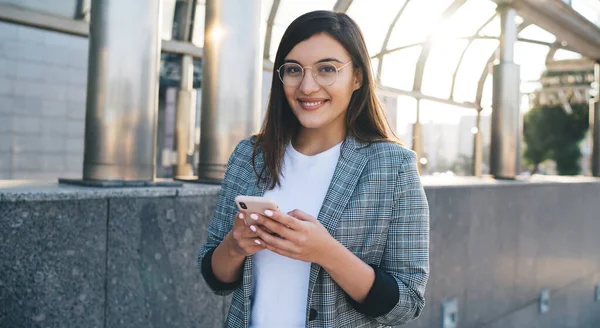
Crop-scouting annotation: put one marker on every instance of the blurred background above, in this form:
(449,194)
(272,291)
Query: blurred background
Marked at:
(432,60)
(134,106)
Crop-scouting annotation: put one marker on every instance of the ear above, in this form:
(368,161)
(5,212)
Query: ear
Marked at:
(358,77)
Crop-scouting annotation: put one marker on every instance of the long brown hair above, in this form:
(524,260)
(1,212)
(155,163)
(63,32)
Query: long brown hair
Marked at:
(365,118)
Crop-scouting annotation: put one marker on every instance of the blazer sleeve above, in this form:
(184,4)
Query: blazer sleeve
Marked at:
(406,255)
(222,222)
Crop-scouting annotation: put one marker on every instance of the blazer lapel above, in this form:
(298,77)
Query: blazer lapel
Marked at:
(345,177)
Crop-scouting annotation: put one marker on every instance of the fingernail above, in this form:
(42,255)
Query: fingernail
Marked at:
(253,228)
(241,216)
(257,241)
(254,216)
(269,213)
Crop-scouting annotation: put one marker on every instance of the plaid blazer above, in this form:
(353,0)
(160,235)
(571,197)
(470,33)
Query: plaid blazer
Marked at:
(375,206)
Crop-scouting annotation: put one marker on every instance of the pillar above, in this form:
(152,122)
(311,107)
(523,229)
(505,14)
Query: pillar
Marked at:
(231,82)
(417,137)
(595,123)
(477,146)
(506,117)
(122,90)
(185,113)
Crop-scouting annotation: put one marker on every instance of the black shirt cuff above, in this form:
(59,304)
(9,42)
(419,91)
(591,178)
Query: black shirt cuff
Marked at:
(383,296)
(212,281)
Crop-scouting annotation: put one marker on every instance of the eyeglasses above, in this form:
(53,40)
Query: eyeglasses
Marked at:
(325,74)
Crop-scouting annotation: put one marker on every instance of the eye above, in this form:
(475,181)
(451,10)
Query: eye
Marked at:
(327,69)
(292,70)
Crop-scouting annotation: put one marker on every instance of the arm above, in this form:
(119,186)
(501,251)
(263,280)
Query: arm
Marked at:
(220,269)
(353,275)
(406,255)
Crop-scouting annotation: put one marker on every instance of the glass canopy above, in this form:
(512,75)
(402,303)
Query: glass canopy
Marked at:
(462,33)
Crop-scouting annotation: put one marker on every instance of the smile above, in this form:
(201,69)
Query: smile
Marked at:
(312,105)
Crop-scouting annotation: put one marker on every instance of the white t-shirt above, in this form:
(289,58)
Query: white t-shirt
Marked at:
(280,284)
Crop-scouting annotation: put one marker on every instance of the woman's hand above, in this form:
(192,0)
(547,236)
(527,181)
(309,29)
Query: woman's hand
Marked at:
(243,242)
(300,236)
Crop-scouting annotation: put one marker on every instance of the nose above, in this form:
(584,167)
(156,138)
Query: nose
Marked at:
(308,84)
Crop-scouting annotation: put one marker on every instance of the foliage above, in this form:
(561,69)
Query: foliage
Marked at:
(552,133)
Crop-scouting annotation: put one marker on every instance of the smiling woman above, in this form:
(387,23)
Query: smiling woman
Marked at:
(350,244)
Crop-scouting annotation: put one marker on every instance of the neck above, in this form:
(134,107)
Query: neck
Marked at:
(314,141)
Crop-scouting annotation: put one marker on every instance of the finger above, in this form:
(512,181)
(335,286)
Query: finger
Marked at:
(248,233)
(271,240)
(259,244)
(257,219)
(253,245)
(240,218)
(284,219)
(279,251)
(280,229)
(303,216)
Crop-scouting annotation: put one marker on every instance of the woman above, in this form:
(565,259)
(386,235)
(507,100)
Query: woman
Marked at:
(350,244)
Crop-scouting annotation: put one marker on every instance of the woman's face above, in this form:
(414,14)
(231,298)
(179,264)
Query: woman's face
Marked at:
(316,105)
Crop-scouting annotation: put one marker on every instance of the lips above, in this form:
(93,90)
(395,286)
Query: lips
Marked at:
(312,104)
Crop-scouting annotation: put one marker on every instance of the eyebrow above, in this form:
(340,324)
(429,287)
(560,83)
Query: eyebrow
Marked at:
(324,60)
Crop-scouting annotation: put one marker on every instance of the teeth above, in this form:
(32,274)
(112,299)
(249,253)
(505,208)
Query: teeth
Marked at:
(313,104)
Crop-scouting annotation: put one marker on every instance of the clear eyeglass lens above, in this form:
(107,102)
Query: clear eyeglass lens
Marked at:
(292,74)
(326,73)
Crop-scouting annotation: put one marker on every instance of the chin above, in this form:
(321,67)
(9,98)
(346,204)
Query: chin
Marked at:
(311,124)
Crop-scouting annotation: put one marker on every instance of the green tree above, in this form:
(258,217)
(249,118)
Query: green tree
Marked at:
(462,165)
(552,133)
(535,134)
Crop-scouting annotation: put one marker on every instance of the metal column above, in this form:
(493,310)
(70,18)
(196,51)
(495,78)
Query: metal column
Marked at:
(185,119)
(231,82)
(122,91)
(506,116)
(595,123)
(185,115)
(417,137)
(477,151)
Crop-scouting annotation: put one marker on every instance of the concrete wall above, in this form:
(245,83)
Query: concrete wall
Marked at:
(73,257)
(494,247)
(42,103)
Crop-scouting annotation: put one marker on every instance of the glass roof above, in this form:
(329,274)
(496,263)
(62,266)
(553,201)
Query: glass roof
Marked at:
(463,36)
(589,9)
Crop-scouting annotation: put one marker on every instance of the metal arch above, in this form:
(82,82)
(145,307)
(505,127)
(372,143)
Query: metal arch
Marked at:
(485,71)
(385,90)
(381,54)
(269,31)
(538,42)
(473,38)
(462,56)
(418,81)
(387,39)
(341,6)
(552,52)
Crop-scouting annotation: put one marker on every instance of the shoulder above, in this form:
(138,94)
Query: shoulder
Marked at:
(243,150)
(389,153)
(396,162)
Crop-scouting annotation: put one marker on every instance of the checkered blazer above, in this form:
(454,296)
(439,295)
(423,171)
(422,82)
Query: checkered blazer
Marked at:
(375,206)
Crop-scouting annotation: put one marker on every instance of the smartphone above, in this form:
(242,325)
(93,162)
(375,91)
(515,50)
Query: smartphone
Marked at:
(252,204)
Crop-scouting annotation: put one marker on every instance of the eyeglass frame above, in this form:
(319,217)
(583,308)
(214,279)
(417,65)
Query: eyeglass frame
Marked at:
(337,73)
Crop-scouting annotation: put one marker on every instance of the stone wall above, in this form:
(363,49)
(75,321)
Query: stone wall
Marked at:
(87,257)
